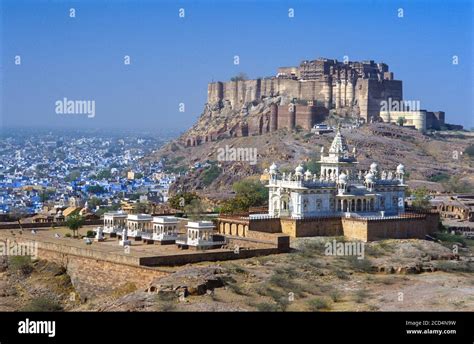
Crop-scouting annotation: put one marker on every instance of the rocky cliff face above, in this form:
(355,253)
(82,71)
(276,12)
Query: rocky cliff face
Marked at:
(220,120)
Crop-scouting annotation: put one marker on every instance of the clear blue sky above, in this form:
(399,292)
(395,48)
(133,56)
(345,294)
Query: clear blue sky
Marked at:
(173,59)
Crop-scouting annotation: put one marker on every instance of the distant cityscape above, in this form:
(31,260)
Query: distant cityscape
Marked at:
(41,171)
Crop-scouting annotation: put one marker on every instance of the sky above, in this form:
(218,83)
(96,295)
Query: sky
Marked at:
(172,59)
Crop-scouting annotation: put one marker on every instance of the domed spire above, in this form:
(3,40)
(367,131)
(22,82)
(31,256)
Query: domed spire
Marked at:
(273,168)
(373,167)
(342,179)
(369,178)
(400,169)
(299,169)
(339,144)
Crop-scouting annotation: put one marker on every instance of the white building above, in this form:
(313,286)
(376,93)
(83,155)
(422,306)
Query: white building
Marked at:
(139,225)
(340,189)
(114,222)
(165,229)
(199,235)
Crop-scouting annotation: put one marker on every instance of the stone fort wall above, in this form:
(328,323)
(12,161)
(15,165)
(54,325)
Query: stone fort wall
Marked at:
(367,94)
(312,227)
(365,229)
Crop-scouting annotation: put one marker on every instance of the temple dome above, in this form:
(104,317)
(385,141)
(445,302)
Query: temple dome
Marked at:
(373,167)
(299,169)
(342,178)
(400,169)
(369,178)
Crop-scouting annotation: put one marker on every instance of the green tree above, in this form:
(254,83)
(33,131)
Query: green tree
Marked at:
(103,210)
(104,174)
(469,151)
(456,185)
(140,208)
(239,77)
(93,202)
(42,170)
(235,205)
(45,195)
(73,175)
(421,199)
(180,200)
(252,190)
(313,166)
(74,222)
(210,174)
(95,189)
(249,193)
(401,121)
(18,213)
(195,209)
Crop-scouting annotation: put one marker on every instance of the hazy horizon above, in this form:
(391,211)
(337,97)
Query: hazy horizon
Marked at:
(173,59)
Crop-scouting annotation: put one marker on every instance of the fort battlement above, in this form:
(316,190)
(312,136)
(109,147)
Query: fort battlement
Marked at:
(325,82)
(299,97)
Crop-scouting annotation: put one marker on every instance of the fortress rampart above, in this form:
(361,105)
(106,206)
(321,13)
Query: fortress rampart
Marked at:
(328,83)
(302,96)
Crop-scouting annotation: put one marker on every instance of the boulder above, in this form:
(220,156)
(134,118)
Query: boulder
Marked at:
(191,281)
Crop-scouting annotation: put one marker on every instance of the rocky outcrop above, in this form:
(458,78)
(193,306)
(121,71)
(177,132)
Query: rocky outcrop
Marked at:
(190,281)
(415,257)
(220,120)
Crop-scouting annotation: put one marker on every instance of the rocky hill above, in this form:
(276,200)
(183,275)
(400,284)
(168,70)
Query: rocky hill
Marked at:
(221,119)
(435,161)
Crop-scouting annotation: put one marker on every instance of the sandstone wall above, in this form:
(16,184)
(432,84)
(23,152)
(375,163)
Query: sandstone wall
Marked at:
(327,91)
(208,256)
(267,225)
(312,227)
(404,228)
(286,116)
(371,92)
(92,277)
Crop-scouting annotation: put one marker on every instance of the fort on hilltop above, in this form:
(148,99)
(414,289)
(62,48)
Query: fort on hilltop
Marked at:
(303,96)
(351,86)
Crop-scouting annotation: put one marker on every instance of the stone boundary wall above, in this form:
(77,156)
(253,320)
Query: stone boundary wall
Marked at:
(326,226)
(64,250)
(92,277)
(270,225)
(403,228)
(390,228)
(408,225)
(208,256)
(45,224)
(280,240)
(94,272)
(260,229)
